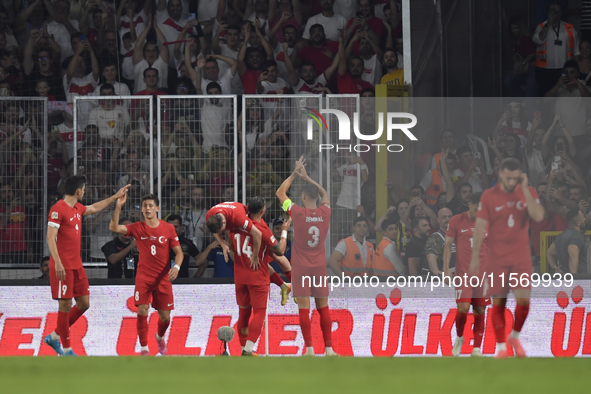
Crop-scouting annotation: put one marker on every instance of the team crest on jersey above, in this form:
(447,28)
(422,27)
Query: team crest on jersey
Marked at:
(54,215)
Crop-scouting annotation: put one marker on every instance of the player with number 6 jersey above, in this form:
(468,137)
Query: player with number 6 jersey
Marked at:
(507,208)
(66,274)
(460,232)
(308,257)
(153,283)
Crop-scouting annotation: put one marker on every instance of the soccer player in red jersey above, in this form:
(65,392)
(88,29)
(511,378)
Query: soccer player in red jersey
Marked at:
(252,284)
(460,232)
(507,208)
(230,216)
(308,257)
(154,239)
(66,274)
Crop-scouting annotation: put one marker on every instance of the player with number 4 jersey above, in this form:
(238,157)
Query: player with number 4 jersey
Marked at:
(507,208)
(308,257)
(460,232)
(153,282)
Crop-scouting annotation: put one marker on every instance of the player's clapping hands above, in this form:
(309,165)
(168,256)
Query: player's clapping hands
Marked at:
(172,274)
(286,224)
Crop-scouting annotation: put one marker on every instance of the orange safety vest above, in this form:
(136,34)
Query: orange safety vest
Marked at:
(435,189)
(381,266)
(352,263)
(542,54)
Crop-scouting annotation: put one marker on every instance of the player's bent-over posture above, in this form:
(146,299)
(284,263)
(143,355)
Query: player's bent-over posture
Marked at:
(507,209)
(153,283)
(460,232)
(308,258)
(252,284)
(66,274)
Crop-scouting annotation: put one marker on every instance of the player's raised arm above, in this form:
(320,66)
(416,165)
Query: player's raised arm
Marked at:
(477,237)
(99,206)
(178,261)
(114,226)
(534,208)
(301,172)
(283,240)
(60,272)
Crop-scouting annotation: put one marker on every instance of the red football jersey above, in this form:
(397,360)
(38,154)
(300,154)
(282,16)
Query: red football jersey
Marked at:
(153,245)
(235,213)
(508,224)
(68,221)
(310,227)
(461,228)
(243,273)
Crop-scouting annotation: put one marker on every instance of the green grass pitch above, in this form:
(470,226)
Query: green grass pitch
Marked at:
(284,375)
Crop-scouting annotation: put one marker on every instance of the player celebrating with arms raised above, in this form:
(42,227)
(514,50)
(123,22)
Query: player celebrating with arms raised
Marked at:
(230,216)
(154,239)
(460,232)
(66,274)
(252,284)
(507,209)
(308,258)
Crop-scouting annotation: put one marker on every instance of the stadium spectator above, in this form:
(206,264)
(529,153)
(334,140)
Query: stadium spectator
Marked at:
(215,116)
(61,27)
(128,16)
(415,249)
(289,13)
(13,221)
(151,82)
(435,244)
(568,93)
(585,61)
(121,254)
(111,119)
(214,254)
(350,72)
(387,260)
(331,21)
(371,54)
(469,171)
(524,55)
(41,66)
(250,60)
(459,203)
(97,228)
(275,226)
(110,75)
(367,21)
(394,75)
(448,141)
(147,55)
(535,152)
(211,71)
(321,51)
(353,254)
(193,217)
(436,181)
(170,21)
(44,268)
(188,247)
(557,43)
(568,253)
(131,169)
(584,149)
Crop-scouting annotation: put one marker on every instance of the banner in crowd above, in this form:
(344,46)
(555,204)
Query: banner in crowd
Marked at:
(389,323)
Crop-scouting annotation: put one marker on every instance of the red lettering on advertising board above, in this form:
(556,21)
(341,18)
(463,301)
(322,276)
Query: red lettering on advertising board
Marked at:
(587,340)
(377,333)
(177,339)
(341,337)
(128,339)
(408,335)
(278,334)
(77,333)
(440,335)
(489,342)
(13,336)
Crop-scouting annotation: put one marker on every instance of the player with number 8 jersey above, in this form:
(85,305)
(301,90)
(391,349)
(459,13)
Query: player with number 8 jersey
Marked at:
(308,256)
(154,239)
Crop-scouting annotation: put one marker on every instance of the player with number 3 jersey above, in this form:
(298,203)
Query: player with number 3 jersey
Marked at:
(308,257)
(154,239)
(507,208)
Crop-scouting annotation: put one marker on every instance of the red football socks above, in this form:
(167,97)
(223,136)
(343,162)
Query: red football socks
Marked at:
(498,319)
(288,275)
(326,325)
(306,326)
(521,312)
(243,318)
(478,329)
(256,324)
(162,326)
(63,329)
(276,279)
(460,323)
(74,315)
(142,329)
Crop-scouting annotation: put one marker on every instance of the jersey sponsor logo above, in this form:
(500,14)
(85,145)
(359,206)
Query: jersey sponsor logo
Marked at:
(54,215)
(313,219)
(496,209)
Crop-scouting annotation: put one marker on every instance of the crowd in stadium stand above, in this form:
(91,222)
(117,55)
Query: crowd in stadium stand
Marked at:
(63,49)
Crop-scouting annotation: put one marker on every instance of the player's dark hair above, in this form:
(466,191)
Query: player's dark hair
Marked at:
(415,222)
(311,191)
(255,205)
(475,198)
(74,183)
(360,219)
(175,217)
(152,197)
(511,164)
(393,218)
(572,216)
(214,224)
